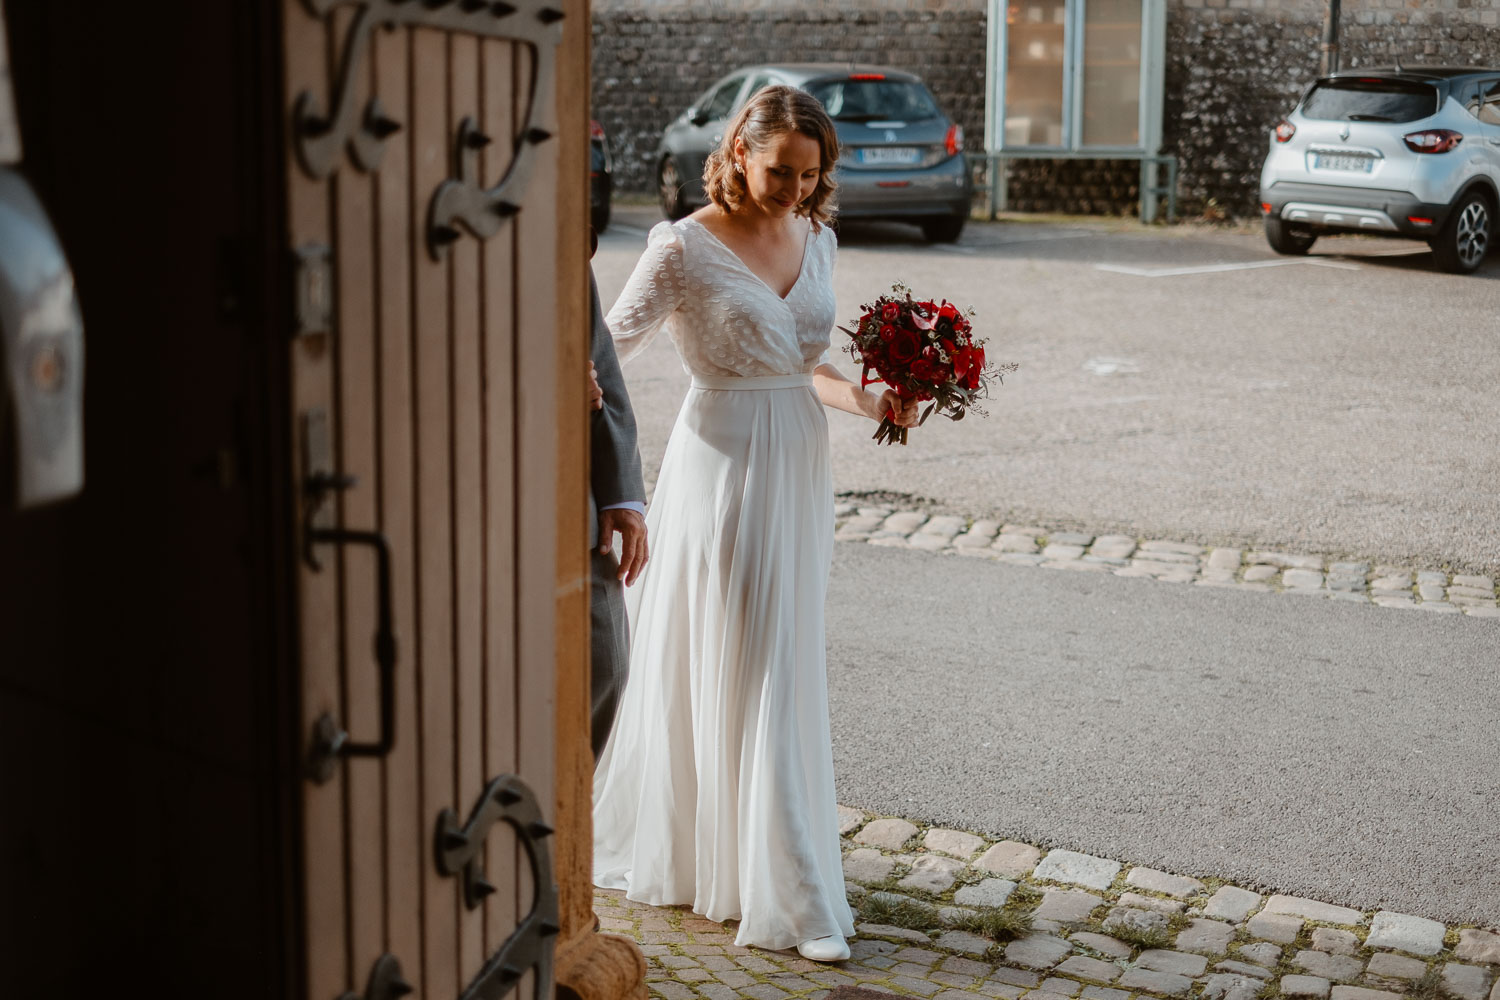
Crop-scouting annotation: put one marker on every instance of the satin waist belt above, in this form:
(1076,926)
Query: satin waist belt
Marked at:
(752,382)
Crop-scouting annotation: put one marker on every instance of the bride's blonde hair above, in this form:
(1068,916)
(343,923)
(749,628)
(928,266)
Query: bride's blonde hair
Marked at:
(769,114)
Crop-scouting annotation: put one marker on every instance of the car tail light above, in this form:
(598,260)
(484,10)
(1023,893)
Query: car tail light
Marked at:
(1265,208)
(1417,220)
(953,143)
(1285,130)
(1433,140)
(596,131)
(867,76)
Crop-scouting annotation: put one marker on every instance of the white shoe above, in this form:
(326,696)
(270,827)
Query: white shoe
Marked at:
(824,949)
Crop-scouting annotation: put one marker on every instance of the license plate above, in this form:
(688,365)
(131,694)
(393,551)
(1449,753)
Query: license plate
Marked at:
(889,154)
(1343,161)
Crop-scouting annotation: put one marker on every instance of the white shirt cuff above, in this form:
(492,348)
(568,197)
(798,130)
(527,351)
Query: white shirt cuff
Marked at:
(634,505)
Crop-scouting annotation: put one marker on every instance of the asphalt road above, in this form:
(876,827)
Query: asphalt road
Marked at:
(1343,752)
(1345,404)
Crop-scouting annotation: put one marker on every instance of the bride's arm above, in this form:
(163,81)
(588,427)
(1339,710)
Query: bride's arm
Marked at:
(838,392)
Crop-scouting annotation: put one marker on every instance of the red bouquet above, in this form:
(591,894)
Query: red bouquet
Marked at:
(923,351)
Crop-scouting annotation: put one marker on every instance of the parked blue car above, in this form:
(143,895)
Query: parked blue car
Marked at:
(902,158)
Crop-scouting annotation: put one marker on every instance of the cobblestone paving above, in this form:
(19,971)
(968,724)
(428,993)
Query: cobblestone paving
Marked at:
(946,914)
(1424,588)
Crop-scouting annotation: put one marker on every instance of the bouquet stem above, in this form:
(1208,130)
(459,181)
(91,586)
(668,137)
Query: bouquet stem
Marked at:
(889,433)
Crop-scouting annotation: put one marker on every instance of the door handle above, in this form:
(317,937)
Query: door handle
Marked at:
(330,742)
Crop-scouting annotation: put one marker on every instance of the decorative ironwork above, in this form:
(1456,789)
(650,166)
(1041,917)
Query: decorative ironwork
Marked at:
(458,850)
(320,137)
(386,982)
(465,201)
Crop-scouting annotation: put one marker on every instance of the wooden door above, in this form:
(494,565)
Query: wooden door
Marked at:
(436,200)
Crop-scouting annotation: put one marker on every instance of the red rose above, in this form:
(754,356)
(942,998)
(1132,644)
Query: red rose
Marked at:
(887,332)
(924,370)
(903,347)
(890,312)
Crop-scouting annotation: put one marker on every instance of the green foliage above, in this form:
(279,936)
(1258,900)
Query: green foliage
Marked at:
(1145,937)
(997,925)
(1429,987)
(908,913)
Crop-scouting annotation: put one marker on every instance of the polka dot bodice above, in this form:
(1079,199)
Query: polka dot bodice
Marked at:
(722,318)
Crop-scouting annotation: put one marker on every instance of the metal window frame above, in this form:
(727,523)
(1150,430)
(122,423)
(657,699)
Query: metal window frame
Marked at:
(1149,109)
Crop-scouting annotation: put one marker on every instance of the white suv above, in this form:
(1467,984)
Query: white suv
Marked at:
(1411,152)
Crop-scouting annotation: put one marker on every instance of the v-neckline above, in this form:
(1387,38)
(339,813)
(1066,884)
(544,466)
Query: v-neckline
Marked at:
(801,265)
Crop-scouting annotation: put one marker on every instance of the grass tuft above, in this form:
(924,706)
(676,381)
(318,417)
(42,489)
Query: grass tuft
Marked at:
(997,925)
(1429,987)
(1145,937)
(908,913)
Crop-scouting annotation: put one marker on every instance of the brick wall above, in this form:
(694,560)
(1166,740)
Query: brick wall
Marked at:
(1233,67)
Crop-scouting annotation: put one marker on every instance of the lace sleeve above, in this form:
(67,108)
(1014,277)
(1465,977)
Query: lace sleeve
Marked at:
(831,239)
(655,289)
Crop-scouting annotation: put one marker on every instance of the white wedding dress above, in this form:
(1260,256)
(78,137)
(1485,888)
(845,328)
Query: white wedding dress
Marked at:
(716,786)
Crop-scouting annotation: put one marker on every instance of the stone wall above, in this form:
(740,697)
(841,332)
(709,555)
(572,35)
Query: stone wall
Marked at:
(651,60)
(1233,67)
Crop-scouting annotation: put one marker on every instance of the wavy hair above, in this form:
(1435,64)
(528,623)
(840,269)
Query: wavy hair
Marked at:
(770,113)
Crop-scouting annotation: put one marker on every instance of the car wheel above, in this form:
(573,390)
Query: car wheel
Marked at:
(599,217)
(1465,238)
(669,189)
(944,228)
(1288,239)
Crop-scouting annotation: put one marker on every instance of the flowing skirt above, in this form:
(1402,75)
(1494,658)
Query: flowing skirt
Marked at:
(716,786)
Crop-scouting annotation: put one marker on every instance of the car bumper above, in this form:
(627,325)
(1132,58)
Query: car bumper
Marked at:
(1355,210)
(944,189)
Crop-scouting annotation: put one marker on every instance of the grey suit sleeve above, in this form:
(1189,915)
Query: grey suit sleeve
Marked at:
(615,469)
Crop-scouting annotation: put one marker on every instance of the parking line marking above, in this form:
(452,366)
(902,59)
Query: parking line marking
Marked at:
(1173,272)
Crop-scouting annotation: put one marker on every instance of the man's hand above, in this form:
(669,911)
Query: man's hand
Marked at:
(596,394)
(632,528)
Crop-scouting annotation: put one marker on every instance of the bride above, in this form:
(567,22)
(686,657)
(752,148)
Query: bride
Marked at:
(716,786)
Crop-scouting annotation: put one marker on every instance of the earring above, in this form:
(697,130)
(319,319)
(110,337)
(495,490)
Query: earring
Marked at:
(738,167)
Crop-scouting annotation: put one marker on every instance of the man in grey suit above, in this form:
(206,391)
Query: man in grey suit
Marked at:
(617,504)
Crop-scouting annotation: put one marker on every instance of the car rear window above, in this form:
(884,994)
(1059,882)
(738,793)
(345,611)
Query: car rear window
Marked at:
(872,100)
(1370,100)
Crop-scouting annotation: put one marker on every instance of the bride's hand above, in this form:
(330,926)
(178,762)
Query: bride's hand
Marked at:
(902,413)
